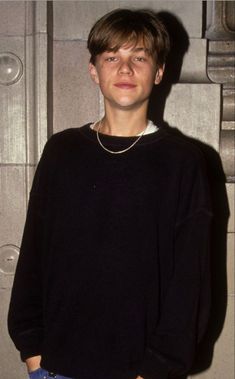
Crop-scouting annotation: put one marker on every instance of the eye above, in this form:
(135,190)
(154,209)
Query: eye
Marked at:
(111,59)
(140,59)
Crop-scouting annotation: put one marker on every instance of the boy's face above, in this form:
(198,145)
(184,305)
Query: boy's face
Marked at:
(126,77)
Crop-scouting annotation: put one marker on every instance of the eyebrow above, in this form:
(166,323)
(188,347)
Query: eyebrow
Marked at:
(140,49)
(135,50)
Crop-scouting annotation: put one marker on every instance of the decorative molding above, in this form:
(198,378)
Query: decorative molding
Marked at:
(36,78)
(220,20)
(221,62)
(221,69)
(36,44)
(227,153)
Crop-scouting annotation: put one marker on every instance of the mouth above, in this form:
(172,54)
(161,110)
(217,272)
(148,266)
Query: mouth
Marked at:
(124,85)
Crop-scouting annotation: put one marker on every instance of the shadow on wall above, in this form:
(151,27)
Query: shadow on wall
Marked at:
(179,46)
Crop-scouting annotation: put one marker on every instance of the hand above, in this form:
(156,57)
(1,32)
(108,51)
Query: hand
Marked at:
(33,363)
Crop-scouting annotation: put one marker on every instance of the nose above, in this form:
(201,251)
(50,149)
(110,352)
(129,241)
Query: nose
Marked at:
(125,68)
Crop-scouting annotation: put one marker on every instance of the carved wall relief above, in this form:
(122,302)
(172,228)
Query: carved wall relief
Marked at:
(221,69)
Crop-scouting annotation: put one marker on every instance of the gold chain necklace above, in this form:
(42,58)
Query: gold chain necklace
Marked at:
(119,151)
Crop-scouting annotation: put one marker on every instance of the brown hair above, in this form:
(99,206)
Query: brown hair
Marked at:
(128,27)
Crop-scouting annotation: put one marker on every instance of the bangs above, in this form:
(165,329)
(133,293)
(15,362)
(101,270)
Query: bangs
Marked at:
(117,40)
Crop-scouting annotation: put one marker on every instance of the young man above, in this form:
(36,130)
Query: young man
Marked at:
(112,279)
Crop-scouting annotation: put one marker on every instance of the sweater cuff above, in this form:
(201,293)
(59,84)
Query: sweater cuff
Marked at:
(153,366)
(30,344)
(29,354)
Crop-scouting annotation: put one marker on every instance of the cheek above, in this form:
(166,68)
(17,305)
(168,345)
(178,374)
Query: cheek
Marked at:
(104,78)
(104,85)
(148,80)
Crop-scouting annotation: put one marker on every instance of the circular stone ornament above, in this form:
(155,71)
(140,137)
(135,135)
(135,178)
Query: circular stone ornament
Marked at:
(11,68)
(8,258)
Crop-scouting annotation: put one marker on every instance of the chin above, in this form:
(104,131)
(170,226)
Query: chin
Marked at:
(128,107)
(128,103)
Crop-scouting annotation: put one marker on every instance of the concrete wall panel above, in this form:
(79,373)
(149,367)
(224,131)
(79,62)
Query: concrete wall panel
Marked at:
(194,68)
(195,110)
(76,98)
(13,204)
(19,18)
(73,19)
(182,9)
(12,18)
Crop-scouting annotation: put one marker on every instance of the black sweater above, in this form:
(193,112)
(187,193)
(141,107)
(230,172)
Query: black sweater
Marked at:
(113,275)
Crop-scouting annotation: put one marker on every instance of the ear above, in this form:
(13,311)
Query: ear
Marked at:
(93,73)
(159,74)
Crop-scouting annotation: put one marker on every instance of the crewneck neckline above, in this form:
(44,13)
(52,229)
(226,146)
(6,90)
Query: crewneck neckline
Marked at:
(109,140)
(150,128)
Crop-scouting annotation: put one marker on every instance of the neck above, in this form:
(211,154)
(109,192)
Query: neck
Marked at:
(123,124)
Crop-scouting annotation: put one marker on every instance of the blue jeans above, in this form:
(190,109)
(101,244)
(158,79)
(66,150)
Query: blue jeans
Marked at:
(40,373)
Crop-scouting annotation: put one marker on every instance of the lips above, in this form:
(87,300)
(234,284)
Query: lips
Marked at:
(124,85)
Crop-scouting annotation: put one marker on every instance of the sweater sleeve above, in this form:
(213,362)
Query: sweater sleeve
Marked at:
(186,306)
(25,316)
